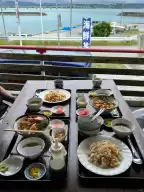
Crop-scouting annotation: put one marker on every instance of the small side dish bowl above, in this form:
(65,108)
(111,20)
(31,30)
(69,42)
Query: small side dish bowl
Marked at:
(56,123)
(83,112)
(34,104)
(81,102)
(108,123)
(59,134)
(10,166)
(103,92)
(90,133)
(122,127)
(31,147)
(35,171)
(58,110)
(92,93)
(47,113)
(97,82)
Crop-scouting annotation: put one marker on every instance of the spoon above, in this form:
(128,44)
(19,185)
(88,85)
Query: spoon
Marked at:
(98,114)
(136,157)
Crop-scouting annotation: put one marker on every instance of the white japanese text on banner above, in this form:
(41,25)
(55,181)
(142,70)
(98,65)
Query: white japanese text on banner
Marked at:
(86,32)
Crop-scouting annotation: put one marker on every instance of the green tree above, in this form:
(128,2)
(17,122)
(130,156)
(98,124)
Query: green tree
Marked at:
(102,29)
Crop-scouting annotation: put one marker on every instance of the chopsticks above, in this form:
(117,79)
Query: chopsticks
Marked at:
(26,131)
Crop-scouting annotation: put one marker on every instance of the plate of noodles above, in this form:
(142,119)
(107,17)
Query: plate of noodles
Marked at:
(55,95)
(104,155)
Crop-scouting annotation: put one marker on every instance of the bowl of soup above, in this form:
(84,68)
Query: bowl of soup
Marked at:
(31,147)
(34,104)
(122,127)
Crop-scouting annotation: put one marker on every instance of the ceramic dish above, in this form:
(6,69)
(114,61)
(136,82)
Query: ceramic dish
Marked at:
(35,171)
(85,124)
(122,127)
(31,147)
(103,92)
(58,110)
(96,82)
(59,134)
(108,123)
(34,104)
(83,112)
(81,102)
(47,113)
(27,122)
(43,94)
(56,123)
(12,165)
(106,100)
(90,133)
(125,163)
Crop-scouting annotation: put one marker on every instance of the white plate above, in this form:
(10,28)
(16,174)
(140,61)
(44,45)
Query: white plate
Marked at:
(14,166)
(83,157)
(42,95)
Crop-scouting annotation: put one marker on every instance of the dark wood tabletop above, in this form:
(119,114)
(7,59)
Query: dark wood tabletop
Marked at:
(19,108)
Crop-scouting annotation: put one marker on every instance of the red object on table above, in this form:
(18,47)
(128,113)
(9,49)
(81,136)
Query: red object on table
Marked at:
(60,110)
(84,112)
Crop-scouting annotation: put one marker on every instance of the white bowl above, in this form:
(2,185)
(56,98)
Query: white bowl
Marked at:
(56,131)
(119,130)
(103,92)
(22,150)
(82,105)
(56,121)
(54,109)
(34,104)
(14,166)
(85,124)
(97,82)
(90,133)
(80,109)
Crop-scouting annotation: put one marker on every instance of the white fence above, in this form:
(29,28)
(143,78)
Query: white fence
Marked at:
(11,38)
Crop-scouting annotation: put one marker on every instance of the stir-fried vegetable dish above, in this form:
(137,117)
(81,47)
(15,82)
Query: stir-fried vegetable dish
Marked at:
(33,123)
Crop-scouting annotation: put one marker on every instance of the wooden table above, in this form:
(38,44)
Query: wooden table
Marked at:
(19,108)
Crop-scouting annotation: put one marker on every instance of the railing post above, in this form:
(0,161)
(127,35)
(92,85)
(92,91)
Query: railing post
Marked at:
(141,44)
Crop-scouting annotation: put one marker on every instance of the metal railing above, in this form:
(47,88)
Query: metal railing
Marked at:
(13,76)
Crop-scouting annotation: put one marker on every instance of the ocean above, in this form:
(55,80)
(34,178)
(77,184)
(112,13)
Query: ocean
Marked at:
(32,24)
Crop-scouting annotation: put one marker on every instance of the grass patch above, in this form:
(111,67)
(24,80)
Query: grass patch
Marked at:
(104,65)
(69,43)
(132,32)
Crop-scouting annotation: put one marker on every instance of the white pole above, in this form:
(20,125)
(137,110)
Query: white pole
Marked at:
(18,17)
(4,23)
(58,35)
(122,12)
(41,18)
(42,31)
(71,18)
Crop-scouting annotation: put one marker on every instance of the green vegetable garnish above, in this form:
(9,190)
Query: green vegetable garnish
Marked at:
(3,167)
(108,123)
(43,124)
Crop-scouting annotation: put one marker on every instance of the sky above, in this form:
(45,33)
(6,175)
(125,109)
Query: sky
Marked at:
(85,1)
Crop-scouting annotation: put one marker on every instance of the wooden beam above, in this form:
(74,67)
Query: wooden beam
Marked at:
(132,93)
(138,83)
(19,77)
(73,58)
(71,70)
(12,86)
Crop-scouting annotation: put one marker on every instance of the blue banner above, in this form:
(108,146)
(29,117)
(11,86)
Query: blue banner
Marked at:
(86,32)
